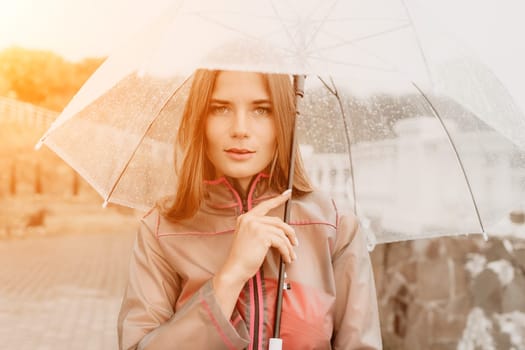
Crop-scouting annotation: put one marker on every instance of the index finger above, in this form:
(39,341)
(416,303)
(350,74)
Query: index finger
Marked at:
(263,208)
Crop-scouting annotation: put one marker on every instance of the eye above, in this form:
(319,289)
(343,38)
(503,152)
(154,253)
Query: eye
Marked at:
(262,111)
(219,109)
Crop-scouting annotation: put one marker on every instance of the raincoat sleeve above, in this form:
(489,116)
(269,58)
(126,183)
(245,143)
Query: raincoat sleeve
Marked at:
(356,315)
(147,319)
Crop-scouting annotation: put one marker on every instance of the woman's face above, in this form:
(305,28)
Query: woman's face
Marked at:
(240,126)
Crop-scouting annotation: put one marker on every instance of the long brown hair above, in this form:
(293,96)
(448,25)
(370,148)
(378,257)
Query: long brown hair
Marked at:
(191,163)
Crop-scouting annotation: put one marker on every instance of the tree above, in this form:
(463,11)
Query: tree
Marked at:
(42,77)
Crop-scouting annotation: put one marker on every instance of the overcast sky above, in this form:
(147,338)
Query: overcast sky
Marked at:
(493,29)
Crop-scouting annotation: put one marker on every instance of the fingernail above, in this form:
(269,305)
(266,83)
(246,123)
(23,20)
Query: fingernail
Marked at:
(287,192)
(294,256)
(296,242)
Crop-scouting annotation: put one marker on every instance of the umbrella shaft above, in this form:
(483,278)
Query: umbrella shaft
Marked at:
(298,81)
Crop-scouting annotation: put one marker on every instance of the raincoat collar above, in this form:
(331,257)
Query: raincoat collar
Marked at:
(220,194)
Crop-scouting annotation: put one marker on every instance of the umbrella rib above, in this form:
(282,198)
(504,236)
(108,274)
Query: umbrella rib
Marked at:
(418,40)
(367,19)
(454,148)
(379,69)
(283,26)
(334,92)
(290,36)
(353,41)
(228,27)
(235,30)
(320,25)
(295,43)
(126,165)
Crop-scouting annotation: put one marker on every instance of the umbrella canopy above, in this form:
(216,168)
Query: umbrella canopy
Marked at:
(399,124)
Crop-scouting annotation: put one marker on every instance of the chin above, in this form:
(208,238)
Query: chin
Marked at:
(242,173)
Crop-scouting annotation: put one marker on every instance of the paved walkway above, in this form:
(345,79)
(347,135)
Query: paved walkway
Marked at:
(62,292)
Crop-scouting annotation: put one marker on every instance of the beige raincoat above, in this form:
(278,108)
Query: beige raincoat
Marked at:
(170,303)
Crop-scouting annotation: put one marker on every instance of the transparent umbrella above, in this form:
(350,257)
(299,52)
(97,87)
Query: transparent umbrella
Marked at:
(397,123)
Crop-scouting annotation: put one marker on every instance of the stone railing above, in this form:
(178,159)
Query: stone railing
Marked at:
(14,111)
(25,171)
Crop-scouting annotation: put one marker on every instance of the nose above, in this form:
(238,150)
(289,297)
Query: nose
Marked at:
(240,124)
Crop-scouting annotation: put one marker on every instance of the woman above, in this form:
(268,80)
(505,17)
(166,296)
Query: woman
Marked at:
(204,267)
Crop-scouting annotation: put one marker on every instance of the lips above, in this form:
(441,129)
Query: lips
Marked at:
(239,151)
(239,154)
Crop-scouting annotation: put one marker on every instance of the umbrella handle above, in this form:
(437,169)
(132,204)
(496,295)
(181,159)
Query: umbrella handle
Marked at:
(275,344)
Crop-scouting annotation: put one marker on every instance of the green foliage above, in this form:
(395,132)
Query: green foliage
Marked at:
(42,77)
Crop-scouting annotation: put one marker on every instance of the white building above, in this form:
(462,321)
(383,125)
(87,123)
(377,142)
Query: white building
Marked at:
(414,185)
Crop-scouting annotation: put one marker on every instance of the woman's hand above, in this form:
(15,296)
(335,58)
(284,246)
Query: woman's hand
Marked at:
(254,234)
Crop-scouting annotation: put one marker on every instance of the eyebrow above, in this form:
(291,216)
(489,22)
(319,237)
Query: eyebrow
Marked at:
(222,102)
(255,102)
(260,102)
